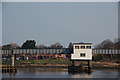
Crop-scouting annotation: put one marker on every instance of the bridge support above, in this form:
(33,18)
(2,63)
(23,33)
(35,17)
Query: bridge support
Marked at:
(88,63)
(89,67)
(13,60)
(37,56)
(79,68)
(73,63)
(10,68)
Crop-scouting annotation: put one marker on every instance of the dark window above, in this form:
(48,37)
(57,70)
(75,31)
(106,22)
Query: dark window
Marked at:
(88,47)
(82,47)
(76,47)
(82,54)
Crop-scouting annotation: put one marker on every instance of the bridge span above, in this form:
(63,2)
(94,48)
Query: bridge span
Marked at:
(58,51)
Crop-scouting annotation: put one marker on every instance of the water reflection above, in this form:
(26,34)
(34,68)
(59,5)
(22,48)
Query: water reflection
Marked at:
(81,75)
(58,73)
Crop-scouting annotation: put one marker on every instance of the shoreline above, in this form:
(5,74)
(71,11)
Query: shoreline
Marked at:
(59,66)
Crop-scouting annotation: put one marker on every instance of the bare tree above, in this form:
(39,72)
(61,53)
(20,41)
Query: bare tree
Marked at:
(10,46)
(41,46)
(56,45)
(106,44)
(70,45)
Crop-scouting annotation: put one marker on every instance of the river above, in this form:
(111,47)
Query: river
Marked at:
(58,73)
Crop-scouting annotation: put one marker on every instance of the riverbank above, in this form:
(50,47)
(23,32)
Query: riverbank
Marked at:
(105,65)
(62,66)
(60,63)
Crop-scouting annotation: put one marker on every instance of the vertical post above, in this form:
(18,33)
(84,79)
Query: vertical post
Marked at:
(12,58)
(27,58)
(37,56)
(89,68)
(88,63)
(73,63)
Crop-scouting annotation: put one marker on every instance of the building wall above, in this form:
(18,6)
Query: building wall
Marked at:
(77,52)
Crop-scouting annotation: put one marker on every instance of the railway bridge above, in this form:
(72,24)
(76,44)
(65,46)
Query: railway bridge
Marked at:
(57,51)
(50,52)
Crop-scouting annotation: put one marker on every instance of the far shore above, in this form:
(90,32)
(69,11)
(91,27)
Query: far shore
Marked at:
(61,63)
(95,65)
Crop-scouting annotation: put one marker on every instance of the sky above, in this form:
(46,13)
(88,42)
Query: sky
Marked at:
(63,22)
(0,23)
(60,0)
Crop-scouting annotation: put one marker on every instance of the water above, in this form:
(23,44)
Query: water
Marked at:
(58,73)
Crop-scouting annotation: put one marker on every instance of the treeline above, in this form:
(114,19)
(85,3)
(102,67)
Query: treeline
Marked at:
(30,44)
(108,44)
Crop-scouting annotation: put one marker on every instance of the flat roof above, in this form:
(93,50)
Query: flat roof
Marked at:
(82,43)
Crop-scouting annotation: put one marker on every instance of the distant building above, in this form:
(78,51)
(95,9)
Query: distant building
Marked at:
(82,51)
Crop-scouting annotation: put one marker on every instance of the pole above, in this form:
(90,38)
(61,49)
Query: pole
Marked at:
(73,63)
(88,63)
(13,58)
(89,68)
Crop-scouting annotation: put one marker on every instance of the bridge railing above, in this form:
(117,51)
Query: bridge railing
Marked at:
(105,51)
(34,51)
(58,51)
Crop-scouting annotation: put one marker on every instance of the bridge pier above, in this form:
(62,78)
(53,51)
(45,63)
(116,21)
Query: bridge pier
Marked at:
(10,68)
(13,60)
(79,68)
(73,63)
(89,67)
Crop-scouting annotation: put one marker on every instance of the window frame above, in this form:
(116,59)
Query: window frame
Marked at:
(77,47)
(82,47)
(88,47)
(82,54)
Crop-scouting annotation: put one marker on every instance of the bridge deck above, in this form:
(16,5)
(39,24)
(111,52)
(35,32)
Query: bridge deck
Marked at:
(57,51)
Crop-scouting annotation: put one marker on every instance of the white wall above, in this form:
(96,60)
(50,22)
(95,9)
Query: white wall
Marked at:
(76,53)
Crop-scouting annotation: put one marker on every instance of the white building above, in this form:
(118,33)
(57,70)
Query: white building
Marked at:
(82,51)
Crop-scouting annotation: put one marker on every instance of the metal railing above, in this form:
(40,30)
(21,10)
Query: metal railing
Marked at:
(57,51)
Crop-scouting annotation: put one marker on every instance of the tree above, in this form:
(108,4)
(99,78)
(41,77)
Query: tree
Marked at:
(41,46)
(56,45)
(70,45)
(106,44)
(97,57)
(117,45)
(10,46)
(29,44)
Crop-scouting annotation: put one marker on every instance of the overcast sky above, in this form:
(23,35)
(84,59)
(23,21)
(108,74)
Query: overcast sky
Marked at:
(0,23)
(48,23)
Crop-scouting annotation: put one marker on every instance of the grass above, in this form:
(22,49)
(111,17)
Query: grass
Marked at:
(57,62)
(40,62)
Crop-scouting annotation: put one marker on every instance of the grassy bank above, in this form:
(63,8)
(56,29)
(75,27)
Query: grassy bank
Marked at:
(39,62)
(59,63)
